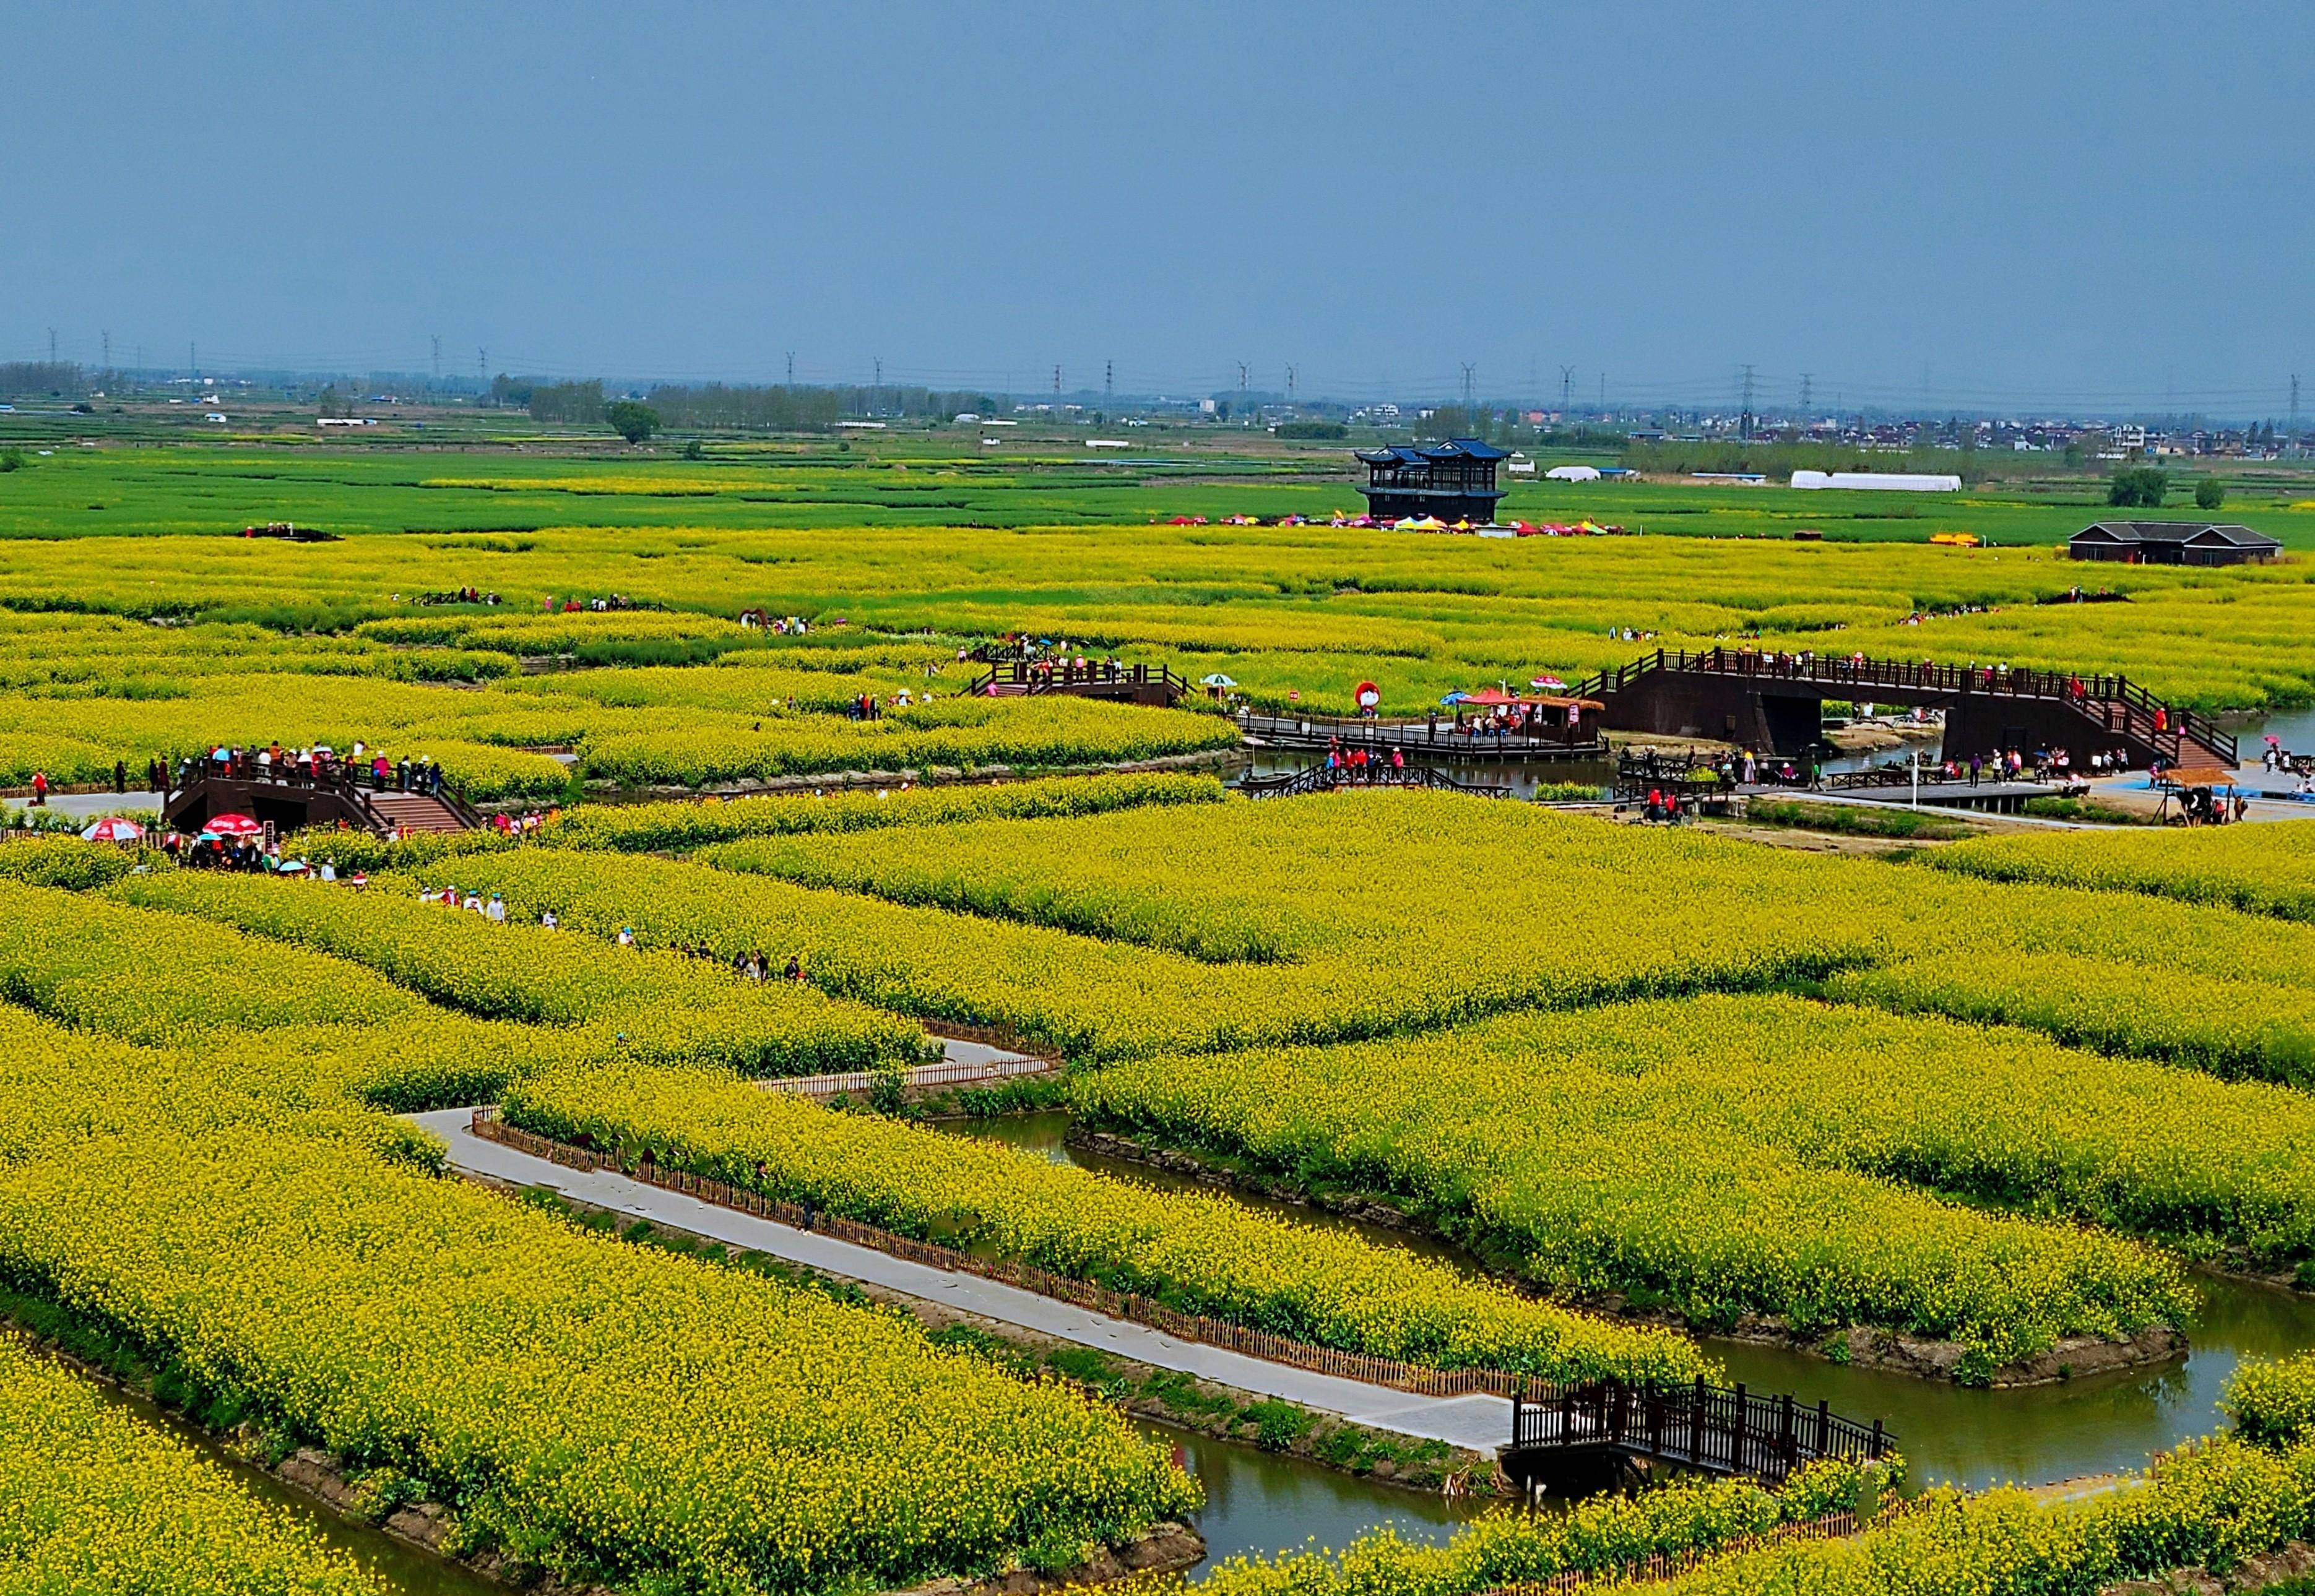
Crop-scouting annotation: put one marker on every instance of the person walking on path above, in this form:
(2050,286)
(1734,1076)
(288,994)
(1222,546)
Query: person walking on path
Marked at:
(39,789)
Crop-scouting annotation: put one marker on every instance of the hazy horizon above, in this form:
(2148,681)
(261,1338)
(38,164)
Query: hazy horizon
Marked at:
(2040,209)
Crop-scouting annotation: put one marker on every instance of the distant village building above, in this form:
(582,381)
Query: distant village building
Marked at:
(1454,481)
(1890,482)
(2172,543)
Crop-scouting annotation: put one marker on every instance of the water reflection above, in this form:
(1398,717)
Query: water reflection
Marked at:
(1260,1503)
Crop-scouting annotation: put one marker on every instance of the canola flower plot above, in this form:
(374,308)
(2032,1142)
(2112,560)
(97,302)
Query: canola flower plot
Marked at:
(91,1499)
(1307,610)
(158,978)
(676,824)
(1199,1253)
(604,1411)
(1569,911)
(2267,870)
(703,748)
(1733,1156)
(670,1007)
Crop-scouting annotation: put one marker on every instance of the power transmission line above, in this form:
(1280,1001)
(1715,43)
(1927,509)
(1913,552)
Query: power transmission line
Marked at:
(1468,369)
(438,356)
(1567,379)
(1745,423)
(1804,394)
(792,368)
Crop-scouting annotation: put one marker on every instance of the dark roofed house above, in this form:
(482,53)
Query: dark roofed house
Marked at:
(2172,543)
(1454,481)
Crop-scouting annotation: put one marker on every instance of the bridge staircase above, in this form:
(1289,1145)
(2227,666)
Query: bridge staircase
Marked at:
(292,801)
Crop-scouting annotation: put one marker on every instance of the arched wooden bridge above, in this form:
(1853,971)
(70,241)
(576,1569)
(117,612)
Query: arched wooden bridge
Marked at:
(1717,1429)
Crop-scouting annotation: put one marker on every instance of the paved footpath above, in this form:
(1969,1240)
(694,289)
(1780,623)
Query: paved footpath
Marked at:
(1480,1423)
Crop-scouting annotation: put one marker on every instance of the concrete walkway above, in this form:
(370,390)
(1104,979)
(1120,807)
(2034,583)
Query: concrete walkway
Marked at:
(1480,1423)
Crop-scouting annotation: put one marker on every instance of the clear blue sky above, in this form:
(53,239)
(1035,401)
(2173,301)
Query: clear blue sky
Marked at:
(2024,204)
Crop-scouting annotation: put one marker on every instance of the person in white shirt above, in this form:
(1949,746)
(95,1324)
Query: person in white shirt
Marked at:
(546,920)
(496,912)
(626,936)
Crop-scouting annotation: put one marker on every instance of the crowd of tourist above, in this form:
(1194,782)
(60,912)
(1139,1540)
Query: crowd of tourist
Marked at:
(318,766)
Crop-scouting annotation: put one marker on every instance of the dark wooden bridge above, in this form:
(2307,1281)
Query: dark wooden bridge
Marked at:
(1560,1431)
(1774,703)
(1330,778)
(291,800)
(1430,739)
(1096,679)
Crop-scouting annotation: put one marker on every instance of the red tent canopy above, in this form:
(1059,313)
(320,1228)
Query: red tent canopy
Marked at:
(1495,698)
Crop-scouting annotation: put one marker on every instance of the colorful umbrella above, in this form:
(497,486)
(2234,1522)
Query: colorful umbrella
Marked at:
(114,829)
(235,825)
(1549,683)
(1216,680)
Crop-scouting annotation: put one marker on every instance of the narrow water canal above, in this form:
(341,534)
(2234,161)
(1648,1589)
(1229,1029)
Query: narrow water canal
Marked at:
(2032,1436)
(1258,1503)
(403,1569)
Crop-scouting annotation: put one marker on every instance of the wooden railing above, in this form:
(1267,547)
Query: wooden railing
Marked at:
(959,1073)
(1441,736)
(353,786)
(1036,676)
(1117,1305)
(1721,1429)
(1330,778)
(2120,705)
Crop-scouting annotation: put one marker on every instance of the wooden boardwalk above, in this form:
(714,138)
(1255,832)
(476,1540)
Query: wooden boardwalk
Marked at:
(1430,739)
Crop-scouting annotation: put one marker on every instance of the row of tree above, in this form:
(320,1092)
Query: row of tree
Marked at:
(718,405)
(32,378)
(1780,460)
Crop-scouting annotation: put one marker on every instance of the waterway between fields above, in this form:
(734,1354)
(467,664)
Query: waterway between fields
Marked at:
(2032,1436)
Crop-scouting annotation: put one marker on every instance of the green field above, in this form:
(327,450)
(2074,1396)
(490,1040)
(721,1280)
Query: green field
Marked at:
(931,479)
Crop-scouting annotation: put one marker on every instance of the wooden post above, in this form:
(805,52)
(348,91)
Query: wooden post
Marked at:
(1736,1439)
(1823,1426)
(1785,1427)
(1876,1452)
